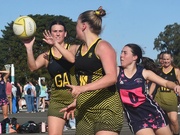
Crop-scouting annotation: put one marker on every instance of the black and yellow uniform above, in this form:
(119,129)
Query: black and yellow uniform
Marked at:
(167,98)
(99,109)
(62,73)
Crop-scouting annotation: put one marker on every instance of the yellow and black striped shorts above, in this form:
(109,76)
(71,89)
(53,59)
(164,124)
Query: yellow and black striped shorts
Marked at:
(99,110)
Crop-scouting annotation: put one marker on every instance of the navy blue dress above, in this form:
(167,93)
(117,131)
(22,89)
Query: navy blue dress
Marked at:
(3,97)
(141,110)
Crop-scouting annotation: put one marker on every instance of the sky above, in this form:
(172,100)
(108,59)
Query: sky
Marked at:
(126,21)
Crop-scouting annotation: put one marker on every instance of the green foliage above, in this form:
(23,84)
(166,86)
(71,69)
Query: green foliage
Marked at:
(13,51)
(169,40)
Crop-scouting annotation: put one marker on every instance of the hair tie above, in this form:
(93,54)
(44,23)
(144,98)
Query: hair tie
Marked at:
(100,12)
(97,12)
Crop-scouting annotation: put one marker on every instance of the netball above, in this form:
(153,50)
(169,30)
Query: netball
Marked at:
(24,27)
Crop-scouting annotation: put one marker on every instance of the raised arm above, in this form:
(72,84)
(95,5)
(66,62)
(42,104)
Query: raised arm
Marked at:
(68,54)
(109,66)
(7,73)
(32,63)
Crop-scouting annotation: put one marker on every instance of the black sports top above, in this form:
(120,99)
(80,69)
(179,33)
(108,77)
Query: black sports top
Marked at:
(60,70)
(2,89)
(171,76)
(92,70)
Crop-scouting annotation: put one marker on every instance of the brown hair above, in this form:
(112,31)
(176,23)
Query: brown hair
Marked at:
(94,19)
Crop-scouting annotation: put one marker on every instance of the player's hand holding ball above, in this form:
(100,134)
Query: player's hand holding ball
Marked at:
(24,27)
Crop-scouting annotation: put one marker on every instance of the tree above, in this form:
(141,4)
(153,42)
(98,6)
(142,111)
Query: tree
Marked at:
(13,51)
(169,40)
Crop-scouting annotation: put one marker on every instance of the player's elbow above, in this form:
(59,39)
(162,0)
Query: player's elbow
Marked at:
(73,61)
(32,69)
(112,79)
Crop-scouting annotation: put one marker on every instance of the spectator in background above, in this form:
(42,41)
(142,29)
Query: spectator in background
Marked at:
(33,95)
(38,92)
(19,96)
(25,92)
(43,89)
(9,94)
(14,100)
(72,123)
(47,98)
(3,98)
(28,97)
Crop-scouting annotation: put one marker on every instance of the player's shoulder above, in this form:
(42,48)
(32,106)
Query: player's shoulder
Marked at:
(177,70)
(104,45)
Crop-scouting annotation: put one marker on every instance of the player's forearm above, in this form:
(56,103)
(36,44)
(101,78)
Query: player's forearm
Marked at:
(170,84)
(31,60)
(65,53)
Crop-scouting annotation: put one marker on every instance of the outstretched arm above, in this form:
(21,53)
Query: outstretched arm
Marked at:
(68,54)
(149,75)
(109,66)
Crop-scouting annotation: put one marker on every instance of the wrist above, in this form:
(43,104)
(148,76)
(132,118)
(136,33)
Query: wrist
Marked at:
(56,44)
(84,88)
(29,50)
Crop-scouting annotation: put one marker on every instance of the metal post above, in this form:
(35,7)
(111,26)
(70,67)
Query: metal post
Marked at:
(12,73)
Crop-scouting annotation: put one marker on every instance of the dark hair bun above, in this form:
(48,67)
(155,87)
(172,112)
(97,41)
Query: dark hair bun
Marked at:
(100,12)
